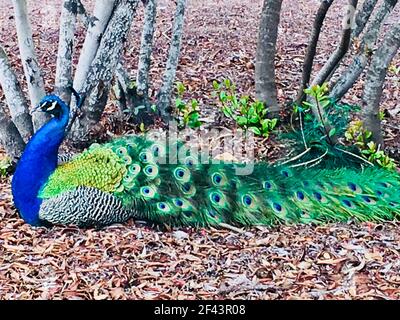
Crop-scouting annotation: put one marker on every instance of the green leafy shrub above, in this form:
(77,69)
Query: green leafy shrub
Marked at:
(188,112)
(361,137)
(5,166)
(249,114)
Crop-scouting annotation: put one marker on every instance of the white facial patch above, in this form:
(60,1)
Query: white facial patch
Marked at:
(53,105)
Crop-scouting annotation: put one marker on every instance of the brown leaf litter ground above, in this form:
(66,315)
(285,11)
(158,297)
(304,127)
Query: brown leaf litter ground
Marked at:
(135,261)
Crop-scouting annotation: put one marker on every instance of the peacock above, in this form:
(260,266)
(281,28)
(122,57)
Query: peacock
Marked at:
(129,178)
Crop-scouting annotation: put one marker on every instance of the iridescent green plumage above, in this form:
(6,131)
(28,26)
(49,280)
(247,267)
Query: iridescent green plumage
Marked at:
(132,173)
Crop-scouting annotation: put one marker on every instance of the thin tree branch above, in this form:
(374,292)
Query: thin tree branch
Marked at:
(341,50)
(65,49)
(102,69)
(374,82)
(30,64)
(146,47)
(10,137)
(101,15)
(164,95)
(360,61)
(312,48)
(15,98)
(363,16)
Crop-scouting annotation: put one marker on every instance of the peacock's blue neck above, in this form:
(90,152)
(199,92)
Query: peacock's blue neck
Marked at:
(37,163)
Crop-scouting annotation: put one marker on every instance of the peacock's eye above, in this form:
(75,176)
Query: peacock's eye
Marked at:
(317,196)
(48,106)
(267,185)
(186,187)
(178,202)
(300,195)
(366,199)
(347,203)
(352,186)
(247,200)
(216,197)
(217,179)
(188,214)
(277,207)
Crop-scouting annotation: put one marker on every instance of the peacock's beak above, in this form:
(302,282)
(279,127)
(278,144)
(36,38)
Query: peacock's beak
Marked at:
(37,108)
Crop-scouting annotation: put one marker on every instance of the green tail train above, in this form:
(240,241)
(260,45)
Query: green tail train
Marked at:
(126,178)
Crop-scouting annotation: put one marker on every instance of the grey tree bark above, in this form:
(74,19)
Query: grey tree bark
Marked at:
(340,51)
(312,48)
(146,48)
(10,137)
(97,84)
(65,50)
(164,95)
(15,98)
(265,60)
(31,67)
(101,16)
(360,61)
(362,16)
(375,80)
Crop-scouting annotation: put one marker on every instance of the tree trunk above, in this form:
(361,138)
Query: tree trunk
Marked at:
(31,67)
(102,13)
(146,47)
(10,137)
(312,48)
(341,50)
(165,93)
(15,98)
(265,60)
(65,50)
(356,68)
(375,80)
(363,16)
(98,81)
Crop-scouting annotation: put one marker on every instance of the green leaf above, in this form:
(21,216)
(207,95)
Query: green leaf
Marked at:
(241,121)
(244,100)
(227,112)
(251,111)
(222,96)
(254,119)
(194,103)
(274,122)
(255,130)
(368,134)
(332,132)
(180,87)
(216,85)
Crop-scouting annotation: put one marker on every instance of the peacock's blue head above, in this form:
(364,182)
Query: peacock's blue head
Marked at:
(53,105)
